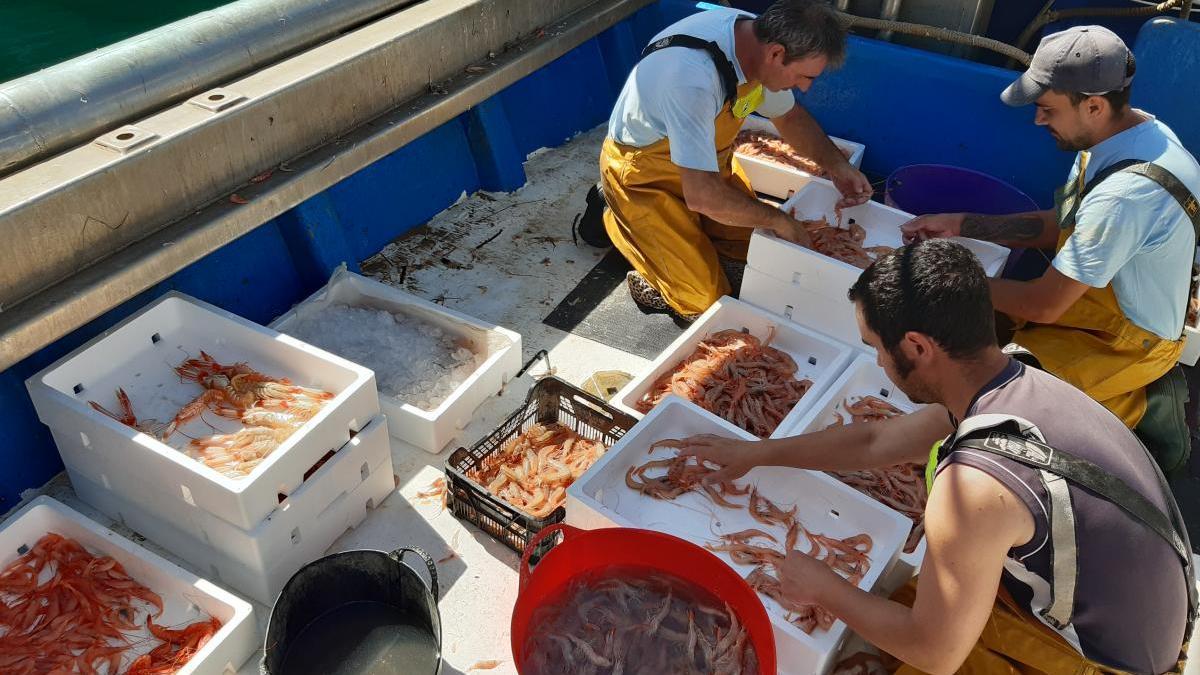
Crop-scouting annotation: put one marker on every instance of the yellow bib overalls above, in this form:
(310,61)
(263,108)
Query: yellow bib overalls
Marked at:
(1093,345)
(649,222)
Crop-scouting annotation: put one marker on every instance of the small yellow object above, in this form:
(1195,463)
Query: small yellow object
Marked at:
(605,384)
(748,103)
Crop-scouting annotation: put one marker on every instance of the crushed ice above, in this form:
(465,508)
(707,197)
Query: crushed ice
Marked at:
(413,360)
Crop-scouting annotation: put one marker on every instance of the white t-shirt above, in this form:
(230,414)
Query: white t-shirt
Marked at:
(677,92)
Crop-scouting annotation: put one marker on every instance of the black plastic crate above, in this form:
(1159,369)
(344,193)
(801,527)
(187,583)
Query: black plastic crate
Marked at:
(550,401)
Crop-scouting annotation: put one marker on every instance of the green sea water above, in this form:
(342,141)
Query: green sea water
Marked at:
(35,34)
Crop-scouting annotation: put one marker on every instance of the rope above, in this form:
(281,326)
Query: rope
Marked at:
(1047,15)
(937,33)
(1016,54)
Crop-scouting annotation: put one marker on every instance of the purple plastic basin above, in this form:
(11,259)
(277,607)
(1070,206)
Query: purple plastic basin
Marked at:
(938,188)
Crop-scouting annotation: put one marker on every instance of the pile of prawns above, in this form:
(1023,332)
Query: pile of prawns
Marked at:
(533,470)
(849,557)
(64,610)
(901,486)
(736,376)
(270,408)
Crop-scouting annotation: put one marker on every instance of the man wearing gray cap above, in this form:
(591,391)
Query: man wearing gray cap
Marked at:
(1108,314)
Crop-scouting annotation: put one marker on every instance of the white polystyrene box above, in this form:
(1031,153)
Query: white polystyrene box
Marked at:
(861,378)
(429,430)
(138,355)
(791,280)
(186,597)
(818,357)
(600,498)
(1191,335)
(1191,346)
(777,180)
(259,561)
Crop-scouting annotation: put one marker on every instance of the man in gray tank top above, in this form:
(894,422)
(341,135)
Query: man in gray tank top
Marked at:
(992,592)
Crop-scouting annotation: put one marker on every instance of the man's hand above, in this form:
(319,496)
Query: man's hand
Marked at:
(852,183)
(735,457)
(802,577)
(789,229)
(707,193)
(932,226)
(802,132)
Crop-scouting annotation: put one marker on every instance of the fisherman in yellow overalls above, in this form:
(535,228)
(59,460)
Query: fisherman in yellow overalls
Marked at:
(1108,314)
(678,203)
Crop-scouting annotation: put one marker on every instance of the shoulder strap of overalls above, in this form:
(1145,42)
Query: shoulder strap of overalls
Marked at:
(729,79)
(1165,179)
(1057,466)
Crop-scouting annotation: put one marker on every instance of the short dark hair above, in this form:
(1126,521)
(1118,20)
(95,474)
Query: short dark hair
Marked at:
(804,28)
(1117,99)
(934,287)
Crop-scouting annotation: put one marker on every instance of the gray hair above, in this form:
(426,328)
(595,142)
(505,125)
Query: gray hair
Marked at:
(804,28)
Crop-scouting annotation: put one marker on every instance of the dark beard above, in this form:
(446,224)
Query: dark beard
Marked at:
(1070,145)
(904,367)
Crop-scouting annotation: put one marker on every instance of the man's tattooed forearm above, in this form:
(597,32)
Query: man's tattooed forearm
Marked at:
(1002,228)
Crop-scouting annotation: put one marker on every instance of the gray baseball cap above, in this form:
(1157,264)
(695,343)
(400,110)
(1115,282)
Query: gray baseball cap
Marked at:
(1084,59)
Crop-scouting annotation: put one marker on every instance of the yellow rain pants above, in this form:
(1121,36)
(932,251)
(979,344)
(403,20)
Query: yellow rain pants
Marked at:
(1014,643)
(1094,346)
(674,248)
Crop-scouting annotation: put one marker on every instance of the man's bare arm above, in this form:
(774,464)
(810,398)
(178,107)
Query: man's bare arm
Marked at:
(709,194)
(846,448)
(866,445)
(802,132)
(799,130)
(971,521)
(1035,229)
(1043,300)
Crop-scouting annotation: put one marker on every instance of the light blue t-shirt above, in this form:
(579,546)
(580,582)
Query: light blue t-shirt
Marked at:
(1129,231)
(677,92)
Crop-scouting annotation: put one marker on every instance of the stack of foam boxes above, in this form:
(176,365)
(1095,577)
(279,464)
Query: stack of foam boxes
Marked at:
(808,287)
(250,533)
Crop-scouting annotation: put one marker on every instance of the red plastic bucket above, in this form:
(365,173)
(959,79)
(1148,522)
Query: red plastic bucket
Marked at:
(584,550)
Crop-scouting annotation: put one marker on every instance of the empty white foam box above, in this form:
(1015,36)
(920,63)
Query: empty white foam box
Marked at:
(139,354)
(186,597)
(810,288)
(429,430)
(259,561)
(818,357)
(861,378)
(778,180)
(601,498)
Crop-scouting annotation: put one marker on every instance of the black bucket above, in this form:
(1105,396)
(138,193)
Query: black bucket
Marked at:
(357,612)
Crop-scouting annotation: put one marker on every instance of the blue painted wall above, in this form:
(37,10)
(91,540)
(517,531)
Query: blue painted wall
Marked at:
(1167,82)
(914,107)
(252,276)
(908,106)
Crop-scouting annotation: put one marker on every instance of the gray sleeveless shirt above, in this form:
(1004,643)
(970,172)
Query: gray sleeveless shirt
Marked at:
(1130,595)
